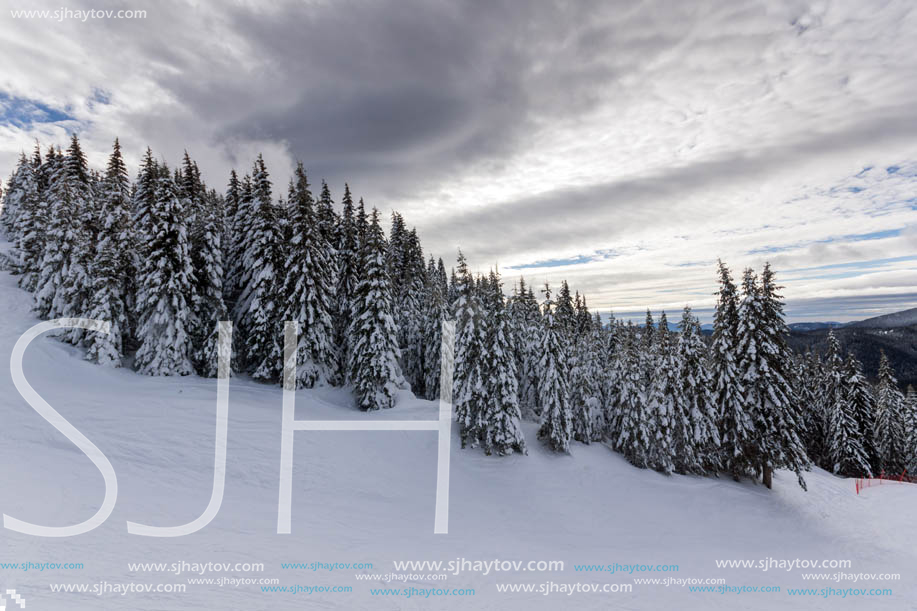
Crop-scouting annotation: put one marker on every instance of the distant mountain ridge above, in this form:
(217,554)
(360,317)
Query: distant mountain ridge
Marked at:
(903,318)
(894,333)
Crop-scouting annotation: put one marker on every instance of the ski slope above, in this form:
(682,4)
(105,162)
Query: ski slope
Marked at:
(368,497)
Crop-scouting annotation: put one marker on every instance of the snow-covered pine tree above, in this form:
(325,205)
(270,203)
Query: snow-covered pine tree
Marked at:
(308,294)
(327,219)
(435,312)
(632,417)
(585,379)
(12,199)
(600,339)
(410,314)
(348,268)
(167,275)
(618,335)
(735,424)
(661,398)
(475,408)
(553,383)
(764,363)
(910,430)
(63,280)
(28,231)
(258,310)
(890,427)
(243,225)
(527,324)
(113,267)
(810,384)
(207,254)
(846,455)
(502,432)
(144,200)
(860,398)
(373,364)
(565,312)
(467,379)
(695,436)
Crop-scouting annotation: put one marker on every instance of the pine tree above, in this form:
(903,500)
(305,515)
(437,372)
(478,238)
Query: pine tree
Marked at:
(810,391)
(553,384)
(632,419)
(910,430)
(527,325)
(890,428)
(695,436)
(502,429)
(207,256)
(243,229)
(373,363)
(409,317)
(661,397)
(113,267)
(769,399)
(348,271)
(27,233)
(468,378)
(844,438)
(308,289)
(144,200)
(258,310)
(435,312)
(13,199)
(587,382)
(165,310)
(327,222)
(736,427)
(63,281)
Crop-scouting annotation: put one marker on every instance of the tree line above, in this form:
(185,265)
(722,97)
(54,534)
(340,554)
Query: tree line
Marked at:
(164,257)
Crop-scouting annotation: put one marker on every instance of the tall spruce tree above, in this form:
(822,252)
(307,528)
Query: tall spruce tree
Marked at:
(258,310)
(468,382)
(435,312)
(113,267)
(890,428)
(502,432)
(63,280)
(735,424)
(631,421)
(348,254)
(167,275)
(207,256)
(553,383)
(308,293)
(374,369)
(846,454)
(695,436)
(764,363)
(661,398)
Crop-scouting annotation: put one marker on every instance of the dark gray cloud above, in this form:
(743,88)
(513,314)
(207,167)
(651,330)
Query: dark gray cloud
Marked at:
(666,132)
(396,94)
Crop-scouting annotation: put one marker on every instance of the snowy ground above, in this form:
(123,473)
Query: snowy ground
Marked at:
(369,497)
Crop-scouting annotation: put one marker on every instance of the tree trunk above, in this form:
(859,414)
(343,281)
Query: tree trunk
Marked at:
(767,476)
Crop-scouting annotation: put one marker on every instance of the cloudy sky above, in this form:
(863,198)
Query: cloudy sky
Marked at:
(624,146)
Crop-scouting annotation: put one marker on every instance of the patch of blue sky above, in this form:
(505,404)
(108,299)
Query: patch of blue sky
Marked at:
(853,237)
(837,276)
(599,255)
(23,112)
(870,264)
